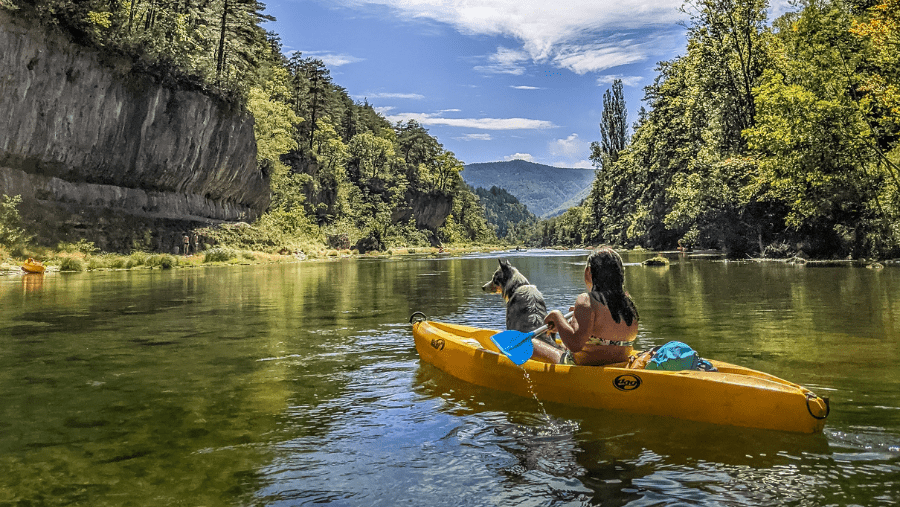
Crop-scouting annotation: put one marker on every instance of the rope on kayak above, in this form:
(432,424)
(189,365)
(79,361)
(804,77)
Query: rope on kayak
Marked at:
(811,396)
(417,317)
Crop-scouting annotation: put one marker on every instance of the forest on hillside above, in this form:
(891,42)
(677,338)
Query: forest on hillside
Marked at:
(513,221)
(340,172)
(772,137)
(547,190)
(763,138)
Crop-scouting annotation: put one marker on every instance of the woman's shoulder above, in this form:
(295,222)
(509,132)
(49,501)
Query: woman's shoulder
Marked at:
(583,299)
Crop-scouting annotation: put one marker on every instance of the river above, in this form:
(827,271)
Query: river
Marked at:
(298,384)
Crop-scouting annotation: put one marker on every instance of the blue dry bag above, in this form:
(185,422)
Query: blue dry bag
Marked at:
(674,356)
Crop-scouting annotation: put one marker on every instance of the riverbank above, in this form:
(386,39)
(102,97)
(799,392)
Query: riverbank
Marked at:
(76,261)
(91,260)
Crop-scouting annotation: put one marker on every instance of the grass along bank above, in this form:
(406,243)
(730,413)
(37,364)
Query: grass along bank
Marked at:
(83,256)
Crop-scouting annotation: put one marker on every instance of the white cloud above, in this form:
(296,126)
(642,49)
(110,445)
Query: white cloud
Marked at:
(571,147)
(582,164)
(526,88)
(410,96)
(332,59)
(520,156)
(505,61)
(626,80)
(569,164)
(474,137)
(473,123)
(542,27)
(584,58)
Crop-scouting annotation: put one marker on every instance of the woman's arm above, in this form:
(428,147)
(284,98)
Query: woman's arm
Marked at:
(575,334)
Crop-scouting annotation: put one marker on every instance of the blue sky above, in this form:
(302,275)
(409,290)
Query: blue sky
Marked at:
(492,80)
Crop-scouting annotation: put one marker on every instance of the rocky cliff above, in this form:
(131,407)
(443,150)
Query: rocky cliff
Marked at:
(103,154)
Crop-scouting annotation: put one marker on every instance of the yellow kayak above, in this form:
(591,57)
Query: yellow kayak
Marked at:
(32,266)
(734,395)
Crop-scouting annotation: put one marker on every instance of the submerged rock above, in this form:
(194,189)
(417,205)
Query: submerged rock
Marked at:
(659,260)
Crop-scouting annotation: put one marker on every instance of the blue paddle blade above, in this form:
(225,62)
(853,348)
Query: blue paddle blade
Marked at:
(515,345)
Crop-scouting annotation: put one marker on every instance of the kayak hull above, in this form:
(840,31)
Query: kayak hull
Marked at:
(33,267)
(734,395)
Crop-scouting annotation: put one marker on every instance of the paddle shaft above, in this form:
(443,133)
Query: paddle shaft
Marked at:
(539,331)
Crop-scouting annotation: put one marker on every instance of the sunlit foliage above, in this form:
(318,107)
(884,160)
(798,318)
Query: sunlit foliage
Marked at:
(339,171)
(761,135)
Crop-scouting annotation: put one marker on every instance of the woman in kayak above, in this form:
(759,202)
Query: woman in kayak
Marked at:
(605,323)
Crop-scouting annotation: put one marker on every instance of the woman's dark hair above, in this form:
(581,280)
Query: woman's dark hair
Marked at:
(608,278)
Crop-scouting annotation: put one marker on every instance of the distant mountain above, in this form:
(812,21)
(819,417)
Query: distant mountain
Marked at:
(547,191)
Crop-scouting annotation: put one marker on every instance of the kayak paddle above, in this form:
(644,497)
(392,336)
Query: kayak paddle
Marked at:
(517,345)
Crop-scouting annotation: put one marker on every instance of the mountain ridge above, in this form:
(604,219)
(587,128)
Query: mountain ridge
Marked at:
(546,190)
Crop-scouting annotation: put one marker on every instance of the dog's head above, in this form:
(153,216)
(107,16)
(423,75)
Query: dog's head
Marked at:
(505,280)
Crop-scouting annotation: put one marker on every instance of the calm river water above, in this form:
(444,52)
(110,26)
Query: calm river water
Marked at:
(299,384)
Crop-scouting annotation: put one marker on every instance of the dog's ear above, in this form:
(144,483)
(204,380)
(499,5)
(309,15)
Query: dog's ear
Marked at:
(504,264)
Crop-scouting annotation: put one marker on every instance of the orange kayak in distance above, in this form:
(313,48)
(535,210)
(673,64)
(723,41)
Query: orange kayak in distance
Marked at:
(33,266)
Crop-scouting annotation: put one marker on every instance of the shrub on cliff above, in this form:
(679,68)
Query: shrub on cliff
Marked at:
(12,234)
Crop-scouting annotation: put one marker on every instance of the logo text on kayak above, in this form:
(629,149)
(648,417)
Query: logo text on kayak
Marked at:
(437,343)
(627,382)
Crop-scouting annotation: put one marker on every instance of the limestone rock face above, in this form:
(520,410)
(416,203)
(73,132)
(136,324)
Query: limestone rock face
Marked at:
(100,153)
(430,209)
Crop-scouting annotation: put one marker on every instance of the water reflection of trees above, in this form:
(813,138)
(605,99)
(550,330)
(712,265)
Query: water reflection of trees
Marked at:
(770,310)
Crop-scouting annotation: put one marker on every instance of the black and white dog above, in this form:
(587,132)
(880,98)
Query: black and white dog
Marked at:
(525,307)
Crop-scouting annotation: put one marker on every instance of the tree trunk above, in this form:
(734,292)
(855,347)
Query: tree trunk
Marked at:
(220,57)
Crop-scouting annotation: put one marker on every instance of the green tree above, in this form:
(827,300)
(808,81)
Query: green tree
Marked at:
(240,36)
(813,139)
(372,154)
(466,222)
(613,127)
(446,171)
(613,140)
(12,232)
(274,119)
(881,82)
(418,150)
(880,102)
(314,95)
(329,183)
(728,35)
(698,107)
